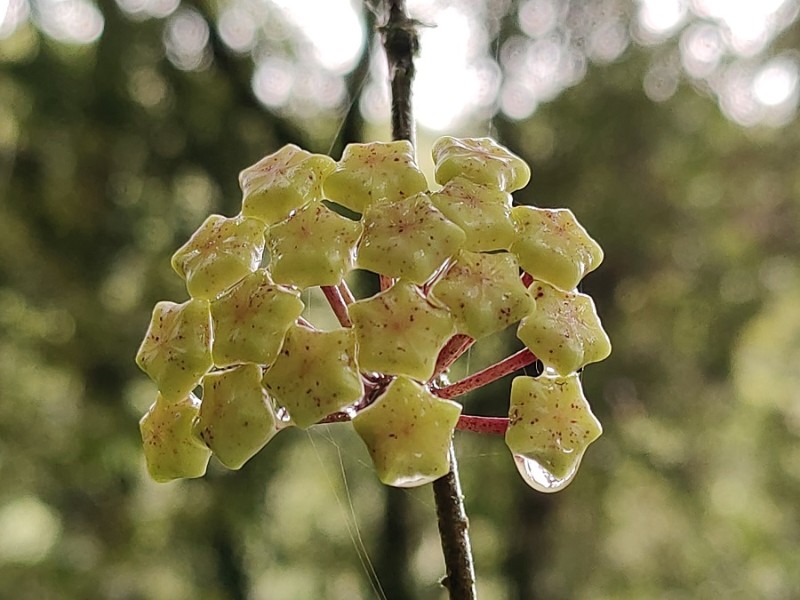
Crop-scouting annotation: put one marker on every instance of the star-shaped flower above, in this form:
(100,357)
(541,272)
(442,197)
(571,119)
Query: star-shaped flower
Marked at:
(315,246)
(176,351)
(170,449)
(551,423)
(219,254)
(552,246)
(484,293)
(407,432)
(235,419)
(315,374)
(374,171)
(399,332)
(409,238)
(251,319)
(481,160)
(564,332)
(484,213)
(282,182)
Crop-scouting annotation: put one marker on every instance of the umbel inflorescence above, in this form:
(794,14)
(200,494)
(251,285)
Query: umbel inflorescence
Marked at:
(455,265)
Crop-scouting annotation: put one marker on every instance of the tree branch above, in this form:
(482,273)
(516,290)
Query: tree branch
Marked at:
(487,425)
(333,294)
(455,347)
(347,295)
(401,41)
(454,533)
(527,279)
(518,360)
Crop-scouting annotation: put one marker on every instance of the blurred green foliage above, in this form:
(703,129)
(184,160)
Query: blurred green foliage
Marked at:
(110,157)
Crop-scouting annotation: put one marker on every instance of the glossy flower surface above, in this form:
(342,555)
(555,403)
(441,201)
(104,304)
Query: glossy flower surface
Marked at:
(552,246)
(481,160)
(372,172)
(407,432)
(565,331)
(176,350)
(399,332)
(282,182)
(551,423)
(219,254)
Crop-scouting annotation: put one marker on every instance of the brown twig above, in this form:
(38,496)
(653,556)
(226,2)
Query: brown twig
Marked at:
(516,361)
(347,295)
(386,282)
(338,305)
(473,423)
(401,41)
(303,322)
(486,425)
(454,533)
(527,279)
(453,349)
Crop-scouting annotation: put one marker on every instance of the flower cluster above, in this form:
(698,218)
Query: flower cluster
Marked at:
(456,265)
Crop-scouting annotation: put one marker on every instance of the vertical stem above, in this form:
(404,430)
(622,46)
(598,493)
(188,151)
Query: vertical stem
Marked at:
(401,41)
(454,533)
(333,294)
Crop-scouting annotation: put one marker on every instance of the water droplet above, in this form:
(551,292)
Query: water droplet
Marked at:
(410,481)
(550,372)
(539,478)
(440,381)
(282,418)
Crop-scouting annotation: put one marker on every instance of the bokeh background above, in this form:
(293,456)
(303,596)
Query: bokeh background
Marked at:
(668,126)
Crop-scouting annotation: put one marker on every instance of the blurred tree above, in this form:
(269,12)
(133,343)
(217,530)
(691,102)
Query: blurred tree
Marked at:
(119,134)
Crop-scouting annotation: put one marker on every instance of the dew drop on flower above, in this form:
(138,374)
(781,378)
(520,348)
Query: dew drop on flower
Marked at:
(440,381)
(550,372)
(282,416)
(408,481)
(539,478)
